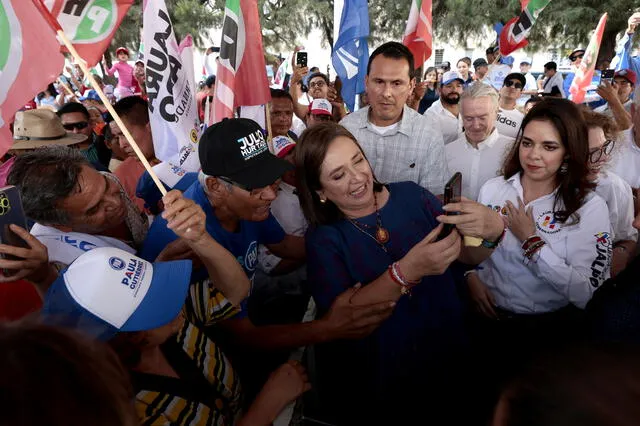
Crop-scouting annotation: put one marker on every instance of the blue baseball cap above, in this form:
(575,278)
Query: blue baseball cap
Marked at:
(91,95)
(107,290)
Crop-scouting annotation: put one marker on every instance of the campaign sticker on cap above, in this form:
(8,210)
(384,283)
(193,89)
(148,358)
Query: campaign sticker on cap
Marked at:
(282,145)
(252,145)
(321,106)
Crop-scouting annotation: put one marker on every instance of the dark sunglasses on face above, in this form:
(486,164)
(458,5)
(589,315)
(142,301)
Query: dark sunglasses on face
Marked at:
(321,117)
(575,58)
(78,126)
(515,84)
(253,192)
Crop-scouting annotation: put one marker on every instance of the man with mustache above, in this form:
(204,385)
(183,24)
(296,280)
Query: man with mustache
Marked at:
(444,114)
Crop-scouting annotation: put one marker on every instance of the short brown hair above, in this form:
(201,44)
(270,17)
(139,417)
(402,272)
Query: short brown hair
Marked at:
(310,152)
(596,119)
(56,377)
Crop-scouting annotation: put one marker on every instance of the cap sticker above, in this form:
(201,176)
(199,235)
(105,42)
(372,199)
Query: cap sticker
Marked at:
(252,145)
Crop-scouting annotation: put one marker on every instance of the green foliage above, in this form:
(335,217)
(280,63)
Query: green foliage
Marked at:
(187,16)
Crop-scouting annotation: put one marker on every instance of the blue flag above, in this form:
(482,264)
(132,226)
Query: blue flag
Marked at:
(350,52)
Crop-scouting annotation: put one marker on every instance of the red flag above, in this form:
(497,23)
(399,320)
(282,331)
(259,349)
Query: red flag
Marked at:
(89,24)
(242,75)
(515,32)
(29,60)
(584,74)
(418,34)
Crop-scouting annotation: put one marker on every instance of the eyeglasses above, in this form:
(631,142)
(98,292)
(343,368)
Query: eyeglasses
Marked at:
(255,192)
(78,126)
(515,84)
(595,156)
(321,117)
(319,84)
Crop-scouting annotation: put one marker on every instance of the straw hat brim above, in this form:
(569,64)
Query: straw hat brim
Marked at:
(70,139)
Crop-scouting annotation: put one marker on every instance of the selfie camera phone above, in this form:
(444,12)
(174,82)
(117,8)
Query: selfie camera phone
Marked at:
(301,59)
(452,194)
(11,212)
(607,75)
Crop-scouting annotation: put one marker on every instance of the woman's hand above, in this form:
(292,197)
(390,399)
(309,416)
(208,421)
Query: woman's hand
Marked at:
(481,296)
(431,257)
(474,219)
(520,220)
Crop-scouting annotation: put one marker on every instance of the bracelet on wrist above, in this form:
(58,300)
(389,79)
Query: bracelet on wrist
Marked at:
(494,244)
(398,278)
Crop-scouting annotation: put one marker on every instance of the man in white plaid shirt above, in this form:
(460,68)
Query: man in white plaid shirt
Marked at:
(399,142)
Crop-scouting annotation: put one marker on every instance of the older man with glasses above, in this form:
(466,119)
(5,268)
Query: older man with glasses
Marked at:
(509,117)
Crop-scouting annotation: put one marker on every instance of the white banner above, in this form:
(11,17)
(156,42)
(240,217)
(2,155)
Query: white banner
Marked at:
(170,87)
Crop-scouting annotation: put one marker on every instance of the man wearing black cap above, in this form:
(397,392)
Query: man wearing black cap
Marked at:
(235,188)
(509,117)
(491,53)
(481,68)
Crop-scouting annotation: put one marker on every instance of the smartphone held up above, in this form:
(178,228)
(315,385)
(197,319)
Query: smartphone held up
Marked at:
(11,213)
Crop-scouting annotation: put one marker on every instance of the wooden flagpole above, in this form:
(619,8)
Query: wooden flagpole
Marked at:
(83,65)
(267,113)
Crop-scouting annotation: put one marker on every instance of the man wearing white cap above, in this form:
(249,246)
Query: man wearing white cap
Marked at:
(444,114)
(320,110)
(531,87)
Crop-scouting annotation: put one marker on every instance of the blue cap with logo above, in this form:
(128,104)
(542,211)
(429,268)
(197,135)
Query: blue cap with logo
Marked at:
(107,290)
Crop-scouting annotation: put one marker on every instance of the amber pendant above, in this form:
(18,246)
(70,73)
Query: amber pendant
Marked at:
(382,235)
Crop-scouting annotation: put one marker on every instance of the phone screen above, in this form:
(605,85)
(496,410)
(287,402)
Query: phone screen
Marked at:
(301,59)
(607,75)
(452,194)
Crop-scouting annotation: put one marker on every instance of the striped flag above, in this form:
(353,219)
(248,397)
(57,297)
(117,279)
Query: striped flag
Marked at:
(89,24)
(29,60)
(418,34)
(515,32)
(584,74)
(241,79)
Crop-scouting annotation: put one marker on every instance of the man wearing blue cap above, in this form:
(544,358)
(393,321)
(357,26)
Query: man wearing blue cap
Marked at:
(444,114)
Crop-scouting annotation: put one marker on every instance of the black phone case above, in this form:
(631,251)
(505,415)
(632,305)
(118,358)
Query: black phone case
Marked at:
(301,59)
(11,212)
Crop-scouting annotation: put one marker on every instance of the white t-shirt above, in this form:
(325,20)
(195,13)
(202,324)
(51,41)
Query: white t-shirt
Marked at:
(619,198)
(477,165)
(287,211)
(384,129)
(508,122)
(442,119)
(556,81)
(626,159)
(65,247)
(574,262)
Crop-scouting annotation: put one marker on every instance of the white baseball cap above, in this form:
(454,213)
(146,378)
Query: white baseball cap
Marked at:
(107,290)
(321,106)
(282,145)
(449,76)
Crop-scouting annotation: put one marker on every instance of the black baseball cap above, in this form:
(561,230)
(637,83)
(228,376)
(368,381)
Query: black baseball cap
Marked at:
(517,76)
(236,148)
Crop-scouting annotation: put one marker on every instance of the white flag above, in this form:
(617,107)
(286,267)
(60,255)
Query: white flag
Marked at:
(170,83)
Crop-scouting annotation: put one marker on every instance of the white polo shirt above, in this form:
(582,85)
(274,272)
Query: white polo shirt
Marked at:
(626,159)
(574,262)
(477,165)
(508,122)
(443,119)
(619,198)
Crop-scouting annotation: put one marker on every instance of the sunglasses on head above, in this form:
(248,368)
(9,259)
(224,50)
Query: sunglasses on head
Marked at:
(78,126)
(515,84)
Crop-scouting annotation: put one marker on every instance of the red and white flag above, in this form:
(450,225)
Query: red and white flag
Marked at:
(89,24)
(241,79)
(29,60)
(418,34)
(515,32)
(584,74)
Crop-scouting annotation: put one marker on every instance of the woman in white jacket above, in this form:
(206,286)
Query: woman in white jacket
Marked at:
(557,247)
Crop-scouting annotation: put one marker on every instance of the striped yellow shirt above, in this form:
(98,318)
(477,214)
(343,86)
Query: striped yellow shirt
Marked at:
(170,401)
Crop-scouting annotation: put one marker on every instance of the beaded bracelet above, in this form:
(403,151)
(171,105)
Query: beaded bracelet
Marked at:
(531,240)
(493,244)
(398,278)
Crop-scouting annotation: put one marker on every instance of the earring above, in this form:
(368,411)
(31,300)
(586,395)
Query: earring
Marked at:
(564,168)
(322,200)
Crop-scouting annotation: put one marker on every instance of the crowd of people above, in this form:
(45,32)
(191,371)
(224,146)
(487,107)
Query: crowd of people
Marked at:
(515,304)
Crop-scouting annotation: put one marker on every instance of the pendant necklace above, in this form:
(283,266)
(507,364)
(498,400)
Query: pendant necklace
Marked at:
(381,233)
